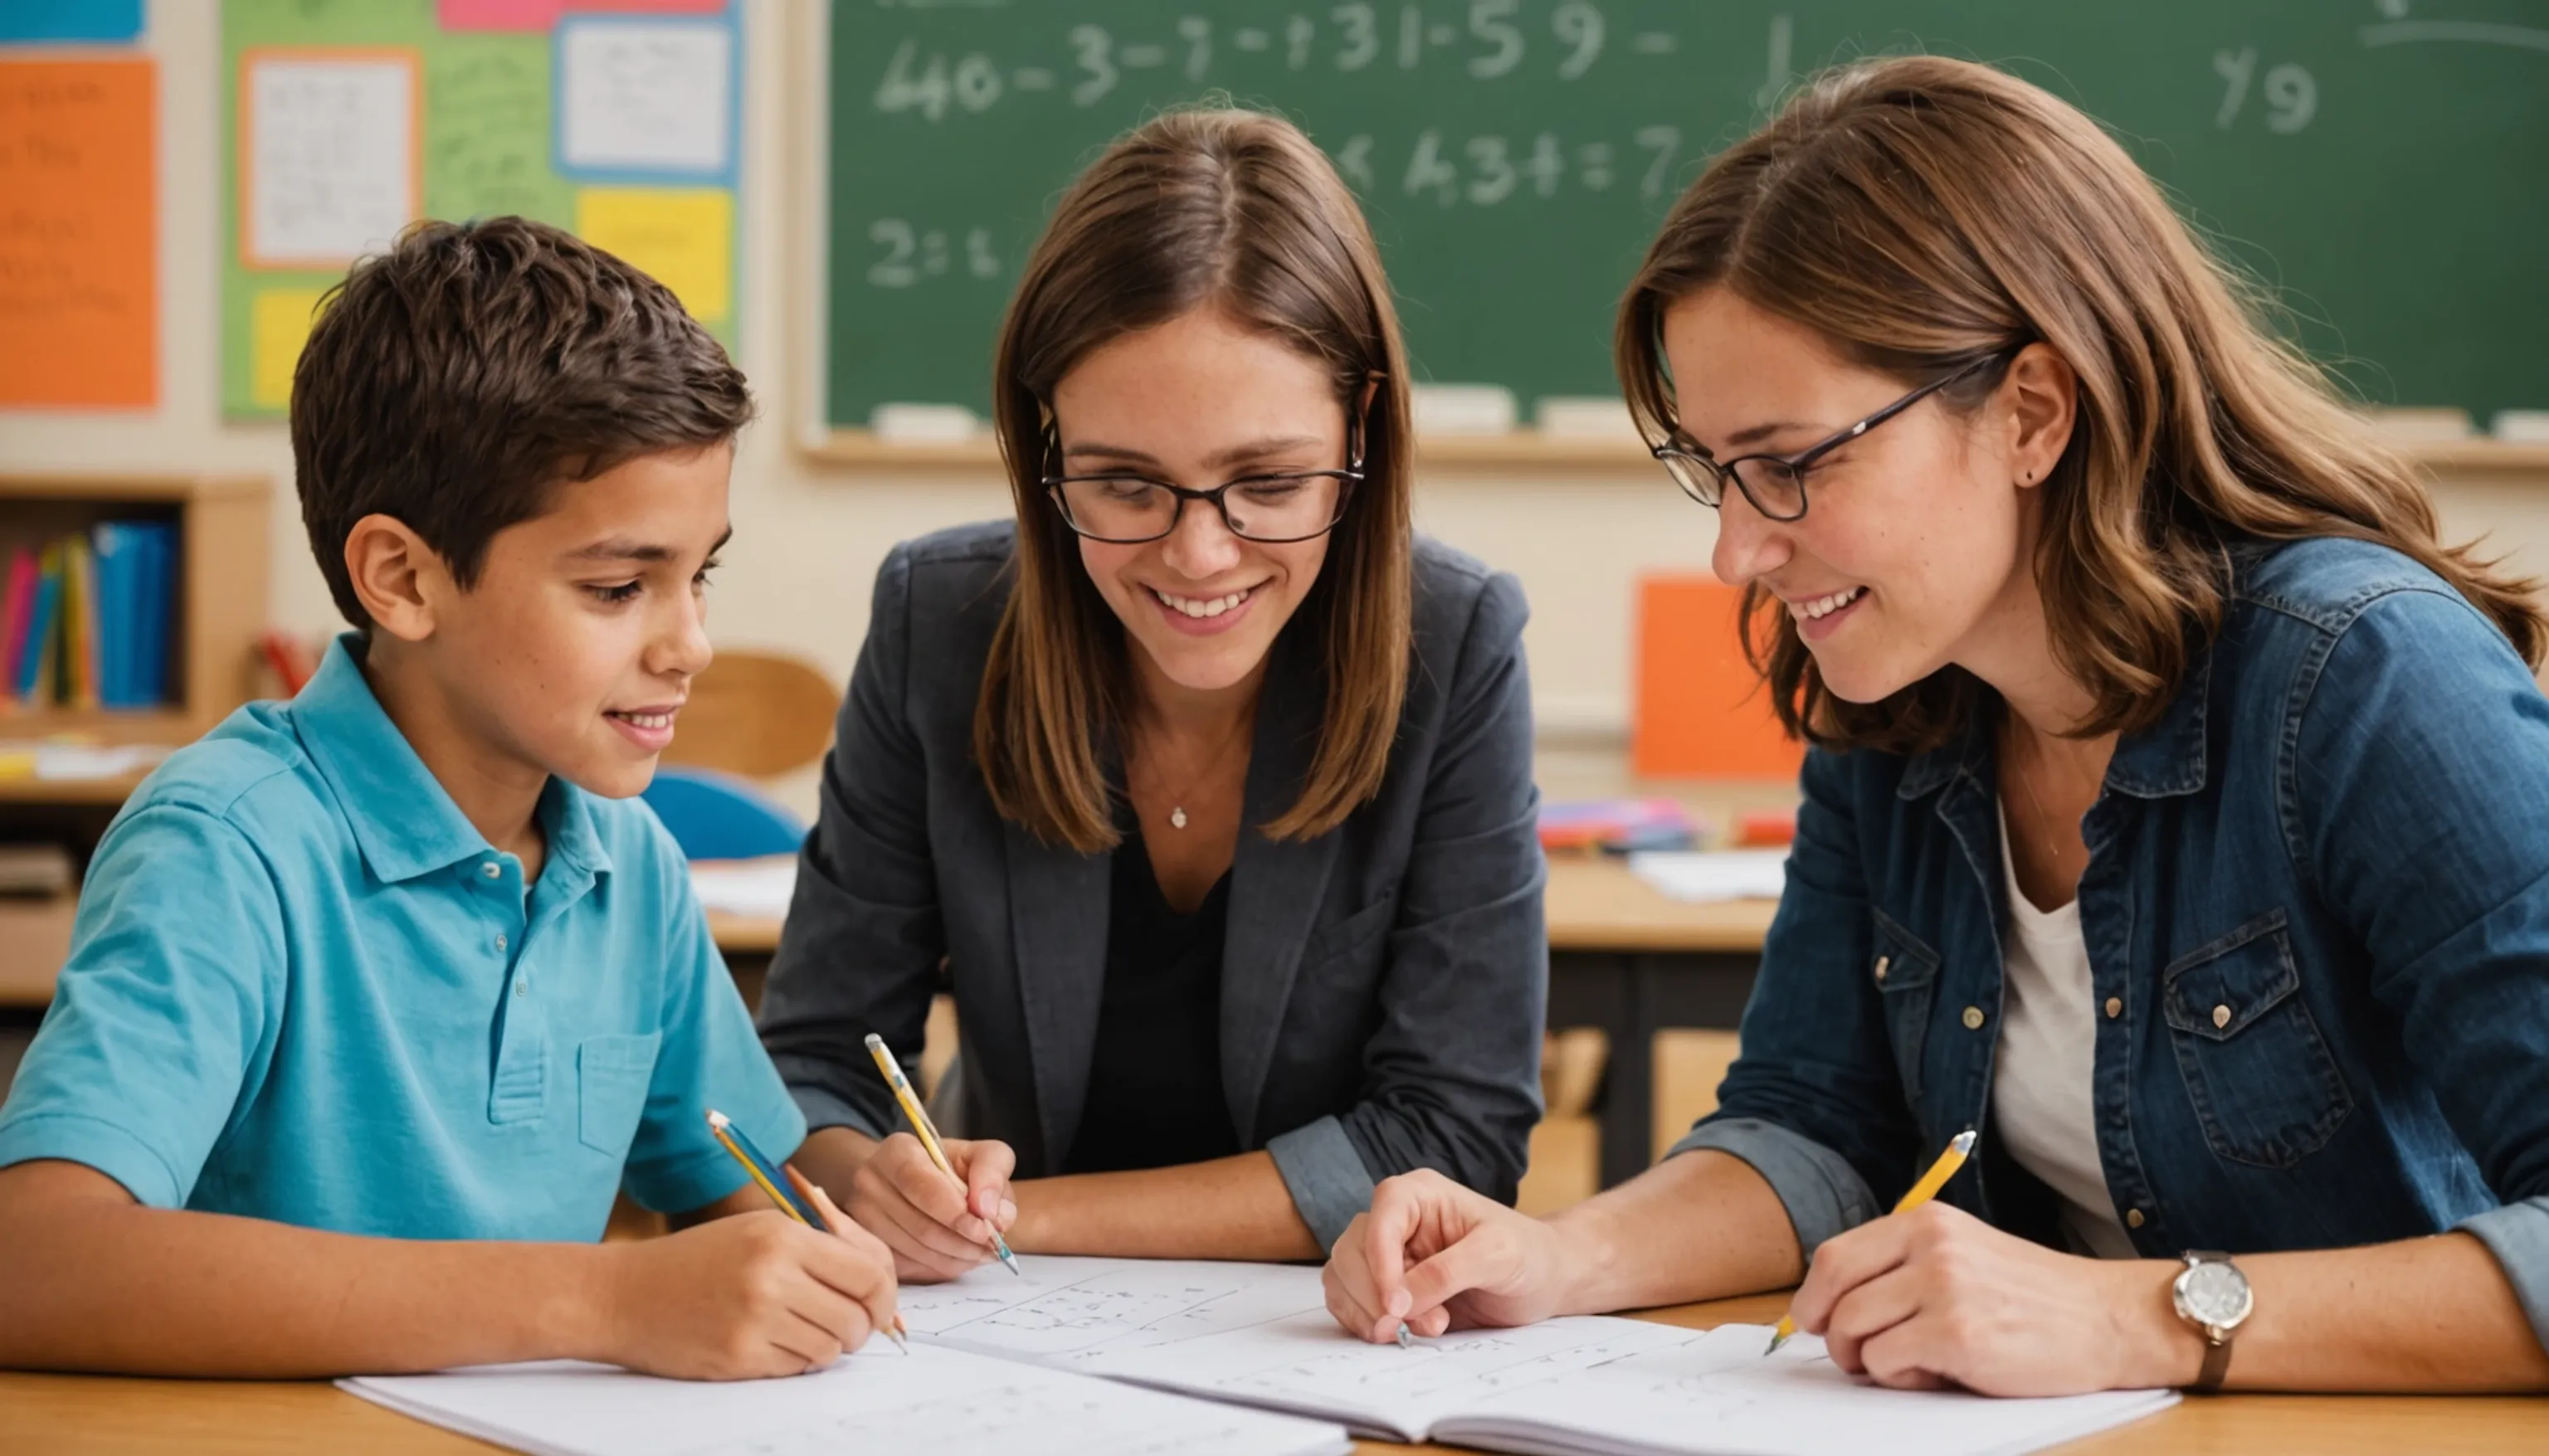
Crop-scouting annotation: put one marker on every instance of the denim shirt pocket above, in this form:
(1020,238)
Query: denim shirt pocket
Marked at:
(1905,975)
(612,1074)
(2263,1082)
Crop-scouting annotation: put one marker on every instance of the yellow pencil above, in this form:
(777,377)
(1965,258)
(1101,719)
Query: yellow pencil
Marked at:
(767,1175)
(1959,1148)
(918,1116)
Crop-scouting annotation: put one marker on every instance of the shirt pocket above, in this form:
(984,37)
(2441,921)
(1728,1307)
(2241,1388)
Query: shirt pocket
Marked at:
(1905,972)
(2264,1085)
(612,1074)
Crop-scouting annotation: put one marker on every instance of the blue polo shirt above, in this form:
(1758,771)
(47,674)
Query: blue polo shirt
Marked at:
(302,987)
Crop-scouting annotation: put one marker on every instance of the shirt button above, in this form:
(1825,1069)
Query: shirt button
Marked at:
(491,869)
(1881,963)
(2114,1007)
(2132,1218)
(2220,1017)
(500,942)
(1973,1018)
(522,986)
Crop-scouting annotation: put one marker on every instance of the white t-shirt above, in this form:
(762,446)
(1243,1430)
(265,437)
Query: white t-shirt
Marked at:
(2043,1111)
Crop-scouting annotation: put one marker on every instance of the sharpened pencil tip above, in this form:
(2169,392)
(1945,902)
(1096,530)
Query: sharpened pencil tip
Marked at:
(1776,1339)
(1406,1341)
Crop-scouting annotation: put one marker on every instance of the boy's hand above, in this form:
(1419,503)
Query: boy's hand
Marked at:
(744,1298)
(936,1230)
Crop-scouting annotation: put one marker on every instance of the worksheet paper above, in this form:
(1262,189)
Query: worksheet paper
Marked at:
(940,1402)
(1260,1335)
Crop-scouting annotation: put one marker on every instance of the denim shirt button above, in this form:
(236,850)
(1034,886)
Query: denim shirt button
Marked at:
(1882,961)
(2114,1007)
(2220,1017)
(1973,1018)
(2132,1218)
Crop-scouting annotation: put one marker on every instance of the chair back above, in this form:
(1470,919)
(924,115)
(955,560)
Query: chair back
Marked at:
(718,816)
(756,714)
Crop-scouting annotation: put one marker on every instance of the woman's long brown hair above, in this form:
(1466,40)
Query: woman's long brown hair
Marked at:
(1237,211)
(1919,213)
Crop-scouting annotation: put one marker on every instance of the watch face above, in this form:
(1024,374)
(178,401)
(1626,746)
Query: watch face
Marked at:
(2215,1294)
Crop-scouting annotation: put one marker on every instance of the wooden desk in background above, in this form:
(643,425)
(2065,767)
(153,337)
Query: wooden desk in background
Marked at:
(1623,957)
(74,1415)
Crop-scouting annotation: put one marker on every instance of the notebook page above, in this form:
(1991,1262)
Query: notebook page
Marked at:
(1070,1312)
(1307,1365)
(1713,1392)
(942,1402)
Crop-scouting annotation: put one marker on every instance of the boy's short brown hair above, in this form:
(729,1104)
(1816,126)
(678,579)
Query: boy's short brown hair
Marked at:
(454,380)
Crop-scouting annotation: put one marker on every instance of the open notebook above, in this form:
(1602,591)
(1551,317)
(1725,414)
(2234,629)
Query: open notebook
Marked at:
(1258,1335)
(941,1402)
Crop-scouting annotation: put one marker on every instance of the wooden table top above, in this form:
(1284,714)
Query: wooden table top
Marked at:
(76,1415)
(1594,904)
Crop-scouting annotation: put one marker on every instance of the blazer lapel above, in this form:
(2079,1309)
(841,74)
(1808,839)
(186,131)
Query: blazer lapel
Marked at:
(1275,889)
(1058,924)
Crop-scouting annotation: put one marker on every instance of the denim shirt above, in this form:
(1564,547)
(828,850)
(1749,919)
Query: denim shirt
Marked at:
(2316,911)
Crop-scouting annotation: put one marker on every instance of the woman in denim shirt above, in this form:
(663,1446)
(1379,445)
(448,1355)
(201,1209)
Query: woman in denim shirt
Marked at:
(2178,811)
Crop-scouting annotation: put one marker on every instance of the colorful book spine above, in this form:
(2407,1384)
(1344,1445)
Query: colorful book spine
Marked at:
(35,662)
(16,614)
(80,625)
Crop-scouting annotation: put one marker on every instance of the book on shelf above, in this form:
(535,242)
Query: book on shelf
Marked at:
(85,622)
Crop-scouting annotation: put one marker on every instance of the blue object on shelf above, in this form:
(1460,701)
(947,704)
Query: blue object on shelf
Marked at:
(718,816)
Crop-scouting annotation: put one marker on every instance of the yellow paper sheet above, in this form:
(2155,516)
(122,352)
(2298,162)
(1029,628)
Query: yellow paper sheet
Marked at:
(683,236)
(278,326)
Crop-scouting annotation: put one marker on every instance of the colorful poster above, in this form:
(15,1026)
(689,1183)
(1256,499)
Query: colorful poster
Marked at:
(683,236)
(330,156)
(79,232)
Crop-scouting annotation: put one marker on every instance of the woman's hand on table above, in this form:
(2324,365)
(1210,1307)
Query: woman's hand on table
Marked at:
(1436,1256)
(936,1229)
(1937,1298)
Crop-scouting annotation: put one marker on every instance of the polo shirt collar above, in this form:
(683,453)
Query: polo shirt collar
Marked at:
(402,818)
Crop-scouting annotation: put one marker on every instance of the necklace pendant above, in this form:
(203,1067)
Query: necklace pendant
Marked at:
(1178,817)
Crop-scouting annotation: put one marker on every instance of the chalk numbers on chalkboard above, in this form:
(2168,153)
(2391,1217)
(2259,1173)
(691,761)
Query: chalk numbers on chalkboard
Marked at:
(908,255)
(1489,39)
(2291,96)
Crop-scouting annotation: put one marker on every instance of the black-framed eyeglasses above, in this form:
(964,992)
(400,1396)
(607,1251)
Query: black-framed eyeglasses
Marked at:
(1775,484)
(1126,508)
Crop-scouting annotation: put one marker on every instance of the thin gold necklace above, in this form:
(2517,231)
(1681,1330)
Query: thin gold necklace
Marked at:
(1177,801)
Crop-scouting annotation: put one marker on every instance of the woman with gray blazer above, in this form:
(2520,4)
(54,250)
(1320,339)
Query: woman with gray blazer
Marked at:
(1203,786)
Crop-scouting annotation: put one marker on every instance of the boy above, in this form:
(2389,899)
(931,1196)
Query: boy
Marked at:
(377,995)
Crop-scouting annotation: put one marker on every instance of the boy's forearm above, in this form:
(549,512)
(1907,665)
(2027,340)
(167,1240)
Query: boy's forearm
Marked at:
(93,1280)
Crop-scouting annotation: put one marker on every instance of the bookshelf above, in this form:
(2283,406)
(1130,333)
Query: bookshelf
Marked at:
(217,611)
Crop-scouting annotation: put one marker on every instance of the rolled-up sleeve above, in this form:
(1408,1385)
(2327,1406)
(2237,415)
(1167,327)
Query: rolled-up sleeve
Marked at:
(1451,1074)
(2416,796)
(1814,1103)
(864,939)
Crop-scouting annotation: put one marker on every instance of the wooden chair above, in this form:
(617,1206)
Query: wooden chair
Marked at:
(756,714)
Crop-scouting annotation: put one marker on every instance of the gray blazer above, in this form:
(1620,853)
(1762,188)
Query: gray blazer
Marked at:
(1383,985)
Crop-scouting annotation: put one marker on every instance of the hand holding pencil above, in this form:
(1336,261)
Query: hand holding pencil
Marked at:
(941,1205)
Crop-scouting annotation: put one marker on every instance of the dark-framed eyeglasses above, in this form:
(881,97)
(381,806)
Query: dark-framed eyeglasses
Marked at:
(1775,484)
(1125,508)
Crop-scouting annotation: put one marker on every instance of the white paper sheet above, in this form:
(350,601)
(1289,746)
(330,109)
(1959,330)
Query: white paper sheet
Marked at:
(652,96)
(940,1402)
(332,157)
(1703,875)
(746,886)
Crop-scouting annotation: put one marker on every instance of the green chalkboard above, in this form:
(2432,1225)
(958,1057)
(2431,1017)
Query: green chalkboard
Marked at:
(2383,162)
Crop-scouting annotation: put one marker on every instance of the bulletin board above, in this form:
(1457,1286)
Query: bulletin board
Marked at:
(345,119)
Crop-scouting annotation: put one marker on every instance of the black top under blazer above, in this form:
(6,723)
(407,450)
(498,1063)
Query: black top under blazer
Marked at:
(1383,984)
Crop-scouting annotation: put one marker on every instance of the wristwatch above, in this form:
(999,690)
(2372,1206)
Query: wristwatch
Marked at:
(2212,1295)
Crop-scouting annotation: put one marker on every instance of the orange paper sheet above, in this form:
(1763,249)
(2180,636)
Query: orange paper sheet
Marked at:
(80,230)
(1702,712)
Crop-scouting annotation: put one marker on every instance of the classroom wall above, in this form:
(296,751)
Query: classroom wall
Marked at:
(809,537)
